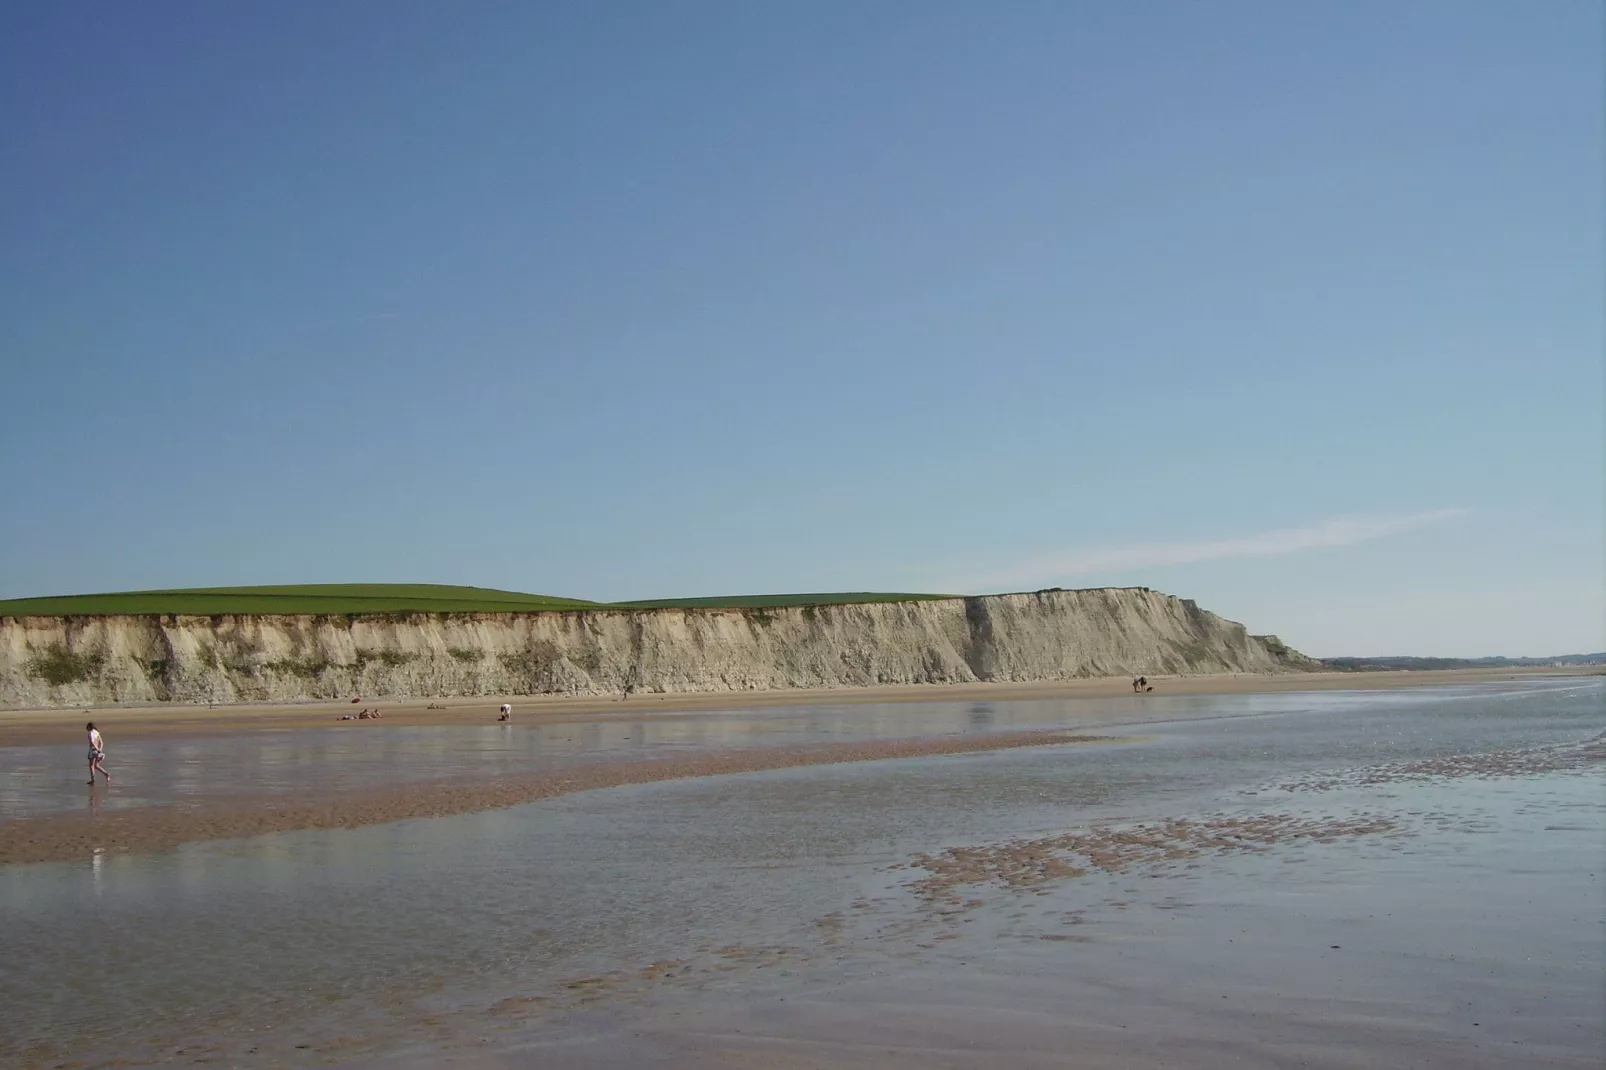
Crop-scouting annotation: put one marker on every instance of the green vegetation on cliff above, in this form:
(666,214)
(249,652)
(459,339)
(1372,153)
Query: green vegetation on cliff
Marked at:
(331,599)
(313,599)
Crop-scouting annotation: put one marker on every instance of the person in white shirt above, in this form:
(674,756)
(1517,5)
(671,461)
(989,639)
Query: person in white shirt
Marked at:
(507,712)
(97,753)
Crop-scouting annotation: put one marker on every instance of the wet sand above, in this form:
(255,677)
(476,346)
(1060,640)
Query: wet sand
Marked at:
(1334,938)
(65,836)
(115,824)
(1338,880)
(23,727)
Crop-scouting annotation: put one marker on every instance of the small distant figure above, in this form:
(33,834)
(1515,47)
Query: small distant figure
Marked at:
(97,753)
(1143,682)
(506,712)
(1136,687)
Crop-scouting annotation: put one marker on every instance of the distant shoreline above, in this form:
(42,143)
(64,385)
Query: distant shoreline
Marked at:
(35,726)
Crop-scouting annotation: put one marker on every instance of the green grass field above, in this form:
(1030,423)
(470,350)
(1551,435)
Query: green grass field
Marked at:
(380,598)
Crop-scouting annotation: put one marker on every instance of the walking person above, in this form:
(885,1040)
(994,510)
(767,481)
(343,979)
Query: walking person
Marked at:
(97,753)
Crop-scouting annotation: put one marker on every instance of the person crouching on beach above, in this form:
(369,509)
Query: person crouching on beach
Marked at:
(97,753)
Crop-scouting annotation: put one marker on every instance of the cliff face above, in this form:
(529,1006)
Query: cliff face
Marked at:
(1051,635)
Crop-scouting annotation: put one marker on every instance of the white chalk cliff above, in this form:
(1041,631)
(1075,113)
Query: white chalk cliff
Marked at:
(1050,635)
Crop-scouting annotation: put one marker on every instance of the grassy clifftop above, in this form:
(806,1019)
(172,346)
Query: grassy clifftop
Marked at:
(763,601)
(376,598)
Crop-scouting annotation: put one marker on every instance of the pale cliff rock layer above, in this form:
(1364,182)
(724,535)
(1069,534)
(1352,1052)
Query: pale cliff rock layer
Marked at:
(1050,635)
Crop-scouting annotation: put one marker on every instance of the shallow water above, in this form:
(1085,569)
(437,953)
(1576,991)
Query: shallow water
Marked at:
(782,904)
(173,770)
(166,770)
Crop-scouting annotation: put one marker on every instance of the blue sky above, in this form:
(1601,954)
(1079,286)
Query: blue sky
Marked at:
(1293,309)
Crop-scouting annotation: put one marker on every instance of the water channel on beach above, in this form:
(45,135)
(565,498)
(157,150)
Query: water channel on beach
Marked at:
(1336,878)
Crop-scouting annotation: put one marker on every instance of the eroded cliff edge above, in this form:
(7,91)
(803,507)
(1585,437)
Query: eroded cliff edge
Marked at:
(1050,635)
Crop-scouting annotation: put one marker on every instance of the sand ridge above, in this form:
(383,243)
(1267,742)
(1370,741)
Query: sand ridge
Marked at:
(60,837)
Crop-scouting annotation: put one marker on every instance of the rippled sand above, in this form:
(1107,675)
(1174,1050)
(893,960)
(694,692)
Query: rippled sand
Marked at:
(1025,864)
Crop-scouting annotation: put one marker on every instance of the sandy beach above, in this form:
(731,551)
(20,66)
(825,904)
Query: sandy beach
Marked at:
(1220,880)
(199,816)
(157,828)
(22,727)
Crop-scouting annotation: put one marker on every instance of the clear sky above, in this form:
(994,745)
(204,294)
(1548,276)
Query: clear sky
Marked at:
(1294,309)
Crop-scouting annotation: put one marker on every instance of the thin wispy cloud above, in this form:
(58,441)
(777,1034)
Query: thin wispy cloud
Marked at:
(1338,531)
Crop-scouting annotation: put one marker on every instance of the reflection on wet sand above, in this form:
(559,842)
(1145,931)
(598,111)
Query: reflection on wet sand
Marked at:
(56,837)
(1125,905)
